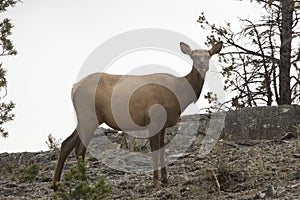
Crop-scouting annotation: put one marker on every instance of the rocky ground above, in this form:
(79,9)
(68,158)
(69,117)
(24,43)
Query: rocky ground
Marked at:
(262,169)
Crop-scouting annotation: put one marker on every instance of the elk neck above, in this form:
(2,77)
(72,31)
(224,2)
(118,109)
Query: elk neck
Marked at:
(196,80)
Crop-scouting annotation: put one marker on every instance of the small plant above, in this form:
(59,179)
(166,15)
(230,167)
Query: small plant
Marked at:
(133,144)
(297,127)
(52,142)
(9,170)
(4,171)
(24,174)
(30,173)
(75,185)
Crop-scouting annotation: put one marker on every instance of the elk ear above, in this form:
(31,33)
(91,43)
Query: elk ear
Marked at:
(216,48)
(186,49)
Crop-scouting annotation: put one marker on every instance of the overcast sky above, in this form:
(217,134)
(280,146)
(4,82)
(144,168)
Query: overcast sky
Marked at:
(54,38)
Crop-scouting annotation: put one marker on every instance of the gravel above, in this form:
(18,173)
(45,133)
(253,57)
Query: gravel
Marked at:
(252,169)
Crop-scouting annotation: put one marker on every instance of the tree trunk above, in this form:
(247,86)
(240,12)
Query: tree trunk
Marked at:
(285,52)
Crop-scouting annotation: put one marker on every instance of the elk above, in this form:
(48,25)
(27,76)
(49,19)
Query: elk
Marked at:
(94,95)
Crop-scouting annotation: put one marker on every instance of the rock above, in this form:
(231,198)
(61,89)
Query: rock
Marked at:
(247,142)
(181,179)
(288,136)
(237,169)
(180,155)
(260,195)
(184,189)
(296,155)
(11,185)
(271,192)
(244,168)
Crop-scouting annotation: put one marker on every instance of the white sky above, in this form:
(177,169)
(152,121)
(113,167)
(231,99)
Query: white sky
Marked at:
(53,39)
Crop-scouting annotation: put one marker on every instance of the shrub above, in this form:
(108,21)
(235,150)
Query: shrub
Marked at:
(297,127)
(30,173)
(52,142)
(75,186)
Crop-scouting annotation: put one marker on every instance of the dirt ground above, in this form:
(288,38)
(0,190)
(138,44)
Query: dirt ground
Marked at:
(262,169)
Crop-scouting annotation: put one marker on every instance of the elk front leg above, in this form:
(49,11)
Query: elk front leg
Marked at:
(163,166)
(80,150)
(155,144)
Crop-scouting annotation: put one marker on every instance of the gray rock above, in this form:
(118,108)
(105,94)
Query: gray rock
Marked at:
(271,192)
(288,136)
(254,163)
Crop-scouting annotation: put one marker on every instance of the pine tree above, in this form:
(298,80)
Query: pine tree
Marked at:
(8,49)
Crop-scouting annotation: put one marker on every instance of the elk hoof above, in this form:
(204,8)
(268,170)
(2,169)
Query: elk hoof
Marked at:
(53,187)
(156,184)
(165,181)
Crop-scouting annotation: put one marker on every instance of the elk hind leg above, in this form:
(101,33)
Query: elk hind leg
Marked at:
(66,147)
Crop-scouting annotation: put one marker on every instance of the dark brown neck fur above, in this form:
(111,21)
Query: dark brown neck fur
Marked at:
(196,80)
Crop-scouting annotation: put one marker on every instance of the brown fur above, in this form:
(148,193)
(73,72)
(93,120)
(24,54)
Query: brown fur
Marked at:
(92,99)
